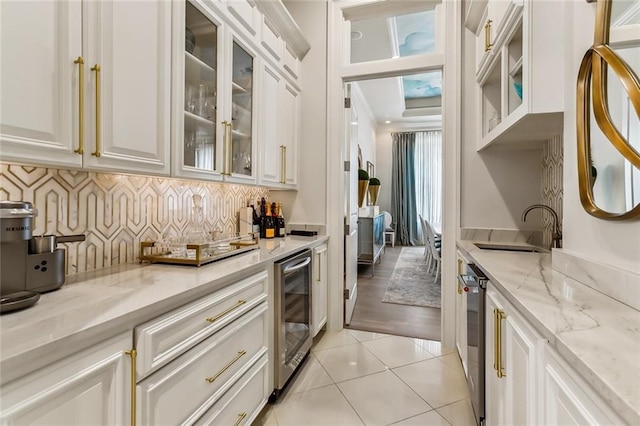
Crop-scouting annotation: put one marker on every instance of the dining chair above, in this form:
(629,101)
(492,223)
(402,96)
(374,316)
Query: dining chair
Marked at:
(434,251)
(388,230)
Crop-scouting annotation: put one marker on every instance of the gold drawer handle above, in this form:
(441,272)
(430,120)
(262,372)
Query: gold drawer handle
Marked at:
(226,367)
(226,311)
(487,36)
(241,418)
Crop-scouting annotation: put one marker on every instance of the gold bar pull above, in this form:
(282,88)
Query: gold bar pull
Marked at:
(282,161)
(487,36)
(240,419)
(80,62)
(226,367)
(96,68)
(500,315)
(226,311)
(133,354)
(230,149)
(495,339)
(284,166)
(224,147)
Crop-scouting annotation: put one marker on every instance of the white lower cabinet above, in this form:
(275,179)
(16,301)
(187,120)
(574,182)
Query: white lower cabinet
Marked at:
(527,382)
(319,289)
(206,358)
(92,387)
(512,354)
(567,399)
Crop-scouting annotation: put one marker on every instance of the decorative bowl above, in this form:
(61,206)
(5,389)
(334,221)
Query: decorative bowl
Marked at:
(518,87)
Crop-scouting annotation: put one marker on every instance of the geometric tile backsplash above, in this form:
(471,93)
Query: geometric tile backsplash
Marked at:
(116,212)
(552,158)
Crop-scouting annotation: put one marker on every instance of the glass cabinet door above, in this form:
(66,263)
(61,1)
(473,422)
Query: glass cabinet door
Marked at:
(241,112)
(200,91)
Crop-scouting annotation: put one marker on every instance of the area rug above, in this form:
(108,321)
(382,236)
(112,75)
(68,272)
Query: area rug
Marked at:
(411,283)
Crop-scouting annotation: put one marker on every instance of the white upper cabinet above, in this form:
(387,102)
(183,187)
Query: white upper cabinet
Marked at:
(290,125)
(245,13)
(128,96)
(39,81)
(198,131)
(86,84)
(519,70)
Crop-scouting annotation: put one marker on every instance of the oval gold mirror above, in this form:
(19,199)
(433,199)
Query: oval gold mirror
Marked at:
(608,111)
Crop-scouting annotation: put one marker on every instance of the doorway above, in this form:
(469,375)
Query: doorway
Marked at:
(341,14)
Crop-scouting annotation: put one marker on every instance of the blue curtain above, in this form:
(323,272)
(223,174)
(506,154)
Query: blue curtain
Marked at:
(403,189)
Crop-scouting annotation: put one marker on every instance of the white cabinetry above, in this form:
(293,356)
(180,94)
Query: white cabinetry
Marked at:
(512,354)
(319,289)
(192,358)
(279,131)
(96,92)
(92,387)
(520,71)
(568,400)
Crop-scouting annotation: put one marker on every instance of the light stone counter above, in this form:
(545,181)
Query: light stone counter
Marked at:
(94,306)
(597,335)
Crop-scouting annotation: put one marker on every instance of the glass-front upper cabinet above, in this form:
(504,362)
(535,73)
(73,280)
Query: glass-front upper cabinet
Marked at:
(200,90)
(240,147)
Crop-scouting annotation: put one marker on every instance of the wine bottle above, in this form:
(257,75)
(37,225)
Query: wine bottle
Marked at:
(270,226)
(280,225)
(263,218)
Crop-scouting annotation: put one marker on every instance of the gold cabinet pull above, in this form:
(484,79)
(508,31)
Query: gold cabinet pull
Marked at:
(500,315)
(226,367)
(282,163)
(241,417)
(133,354)
(495,339)
(80,62)
(319,268)
(224,147)
(230,149)
(487,36)
(96,68)
(226,311)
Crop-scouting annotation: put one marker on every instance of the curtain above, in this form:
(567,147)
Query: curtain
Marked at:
(416,183)
(403,189)
(428,169)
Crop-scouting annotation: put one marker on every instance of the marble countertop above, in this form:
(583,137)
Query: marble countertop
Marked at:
(597,335)
(96,305)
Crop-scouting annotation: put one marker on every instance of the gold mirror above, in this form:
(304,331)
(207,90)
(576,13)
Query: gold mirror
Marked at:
(608,111)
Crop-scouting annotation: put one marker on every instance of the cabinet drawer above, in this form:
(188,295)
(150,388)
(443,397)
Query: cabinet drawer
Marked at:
(164,338)
(242,403)
(186,387)
(291,62)
(271,39)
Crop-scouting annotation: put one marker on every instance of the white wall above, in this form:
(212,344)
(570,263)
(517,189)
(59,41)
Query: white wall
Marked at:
(498,183)
(366,126)
(616,243)
(384,154)
(308,204)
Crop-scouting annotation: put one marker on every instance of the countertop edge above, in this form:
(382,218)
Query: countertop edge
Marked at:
(23,363)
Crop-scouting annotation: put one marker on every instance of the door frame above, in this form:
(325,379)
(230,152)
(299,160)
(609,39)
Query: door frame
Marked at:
(337,75)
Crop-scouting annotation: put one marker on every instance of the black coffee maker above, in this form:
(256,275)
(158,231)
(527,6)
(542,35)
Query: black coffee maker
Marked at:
(28,265)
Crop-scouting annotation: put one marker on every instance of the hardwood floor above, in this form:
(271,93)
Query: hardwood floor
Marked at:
(371,314)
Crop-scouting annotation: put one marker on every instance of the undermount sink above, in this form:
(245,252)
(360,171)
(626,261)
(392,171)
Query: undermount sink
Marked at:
(508,247)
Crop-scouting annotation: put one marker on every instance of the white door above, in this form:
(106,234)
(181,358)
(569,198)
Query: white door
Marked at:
(39,81)
(290,108)
(127,107)
(350,207)
(270,142)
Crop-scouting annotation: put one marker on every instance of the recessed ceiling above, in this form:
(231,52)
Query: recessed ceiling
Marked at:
(407,99)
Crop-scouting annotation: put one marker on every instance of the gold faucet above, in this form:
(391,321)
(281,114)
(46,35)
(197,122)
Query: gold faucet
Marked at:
(557,234)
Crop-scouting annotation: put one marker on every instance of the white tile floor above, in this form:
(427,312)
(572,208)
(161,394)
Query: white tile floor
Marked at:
(361,378)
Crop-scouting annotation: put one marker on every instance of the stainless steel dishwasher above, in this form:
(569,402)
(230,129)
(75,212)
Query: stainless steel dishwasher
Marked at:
(474,283)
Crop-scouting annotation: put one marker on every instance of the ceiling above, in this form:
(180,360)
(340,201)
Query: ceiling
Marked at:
(384,38)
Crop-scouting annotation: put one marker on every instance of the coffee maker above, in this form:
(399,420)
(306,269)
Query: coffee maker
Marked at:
(28,265)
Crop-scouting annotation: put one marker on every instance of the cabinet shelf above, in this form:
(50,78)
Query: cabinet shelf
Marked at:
(516,68)
(198,71)
(197,118)
(237,89)
(239,134)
